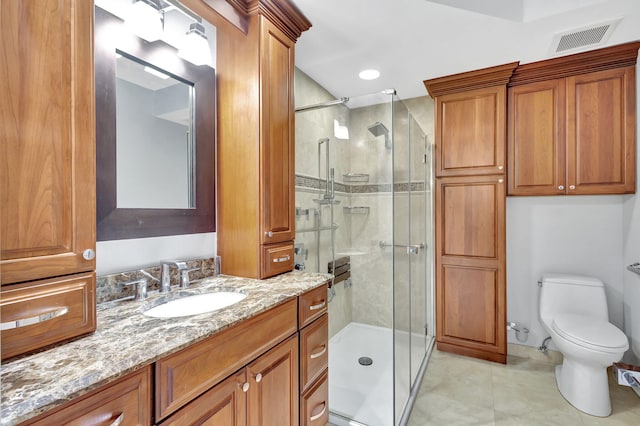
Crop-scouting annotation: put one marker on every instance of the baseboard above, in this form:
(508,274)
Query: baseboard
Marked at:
(529,352)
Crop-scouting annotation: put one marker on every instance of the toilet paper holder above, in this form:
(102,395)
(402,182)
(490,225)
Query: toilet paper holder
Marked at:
(522,333)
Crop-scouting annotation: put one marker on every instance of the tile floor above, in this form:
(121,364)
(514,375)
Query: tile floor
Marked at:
(458,390)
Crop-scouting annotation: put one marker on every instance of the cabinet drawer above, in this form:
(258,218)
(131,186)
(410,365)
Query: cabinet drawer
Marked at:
(40,313)
(276,259)
(126,402)
(314,351)
(314,404)
(312,305)
(186,374)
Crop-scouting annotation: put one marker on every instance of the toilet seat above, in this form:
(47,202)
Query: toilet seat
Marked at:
(591,333)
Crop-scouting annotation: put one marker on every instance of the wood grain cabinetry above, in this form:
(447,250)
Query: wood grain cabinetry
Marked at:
(470,266)
(470,229)
(469,140)
(313,321)
(125,402)
(47,162)
(183,376)
(256,141)
(572,124)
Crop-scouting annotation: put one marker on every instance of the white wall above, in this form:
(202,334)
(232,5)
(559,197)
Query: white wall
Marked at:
(574,234)
(631,253)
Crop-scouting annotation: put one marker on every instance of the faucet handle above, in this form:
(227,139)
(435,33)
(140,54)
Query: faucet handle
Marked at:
(184,277)
(140,288)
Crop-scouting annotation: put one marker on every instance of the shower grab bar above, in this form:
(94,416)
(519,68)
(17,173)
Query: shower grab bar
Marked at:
(411,248)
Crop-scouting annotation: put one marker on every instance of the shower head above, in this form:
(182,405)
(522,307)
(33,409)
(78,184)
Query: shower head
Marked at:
(379,129)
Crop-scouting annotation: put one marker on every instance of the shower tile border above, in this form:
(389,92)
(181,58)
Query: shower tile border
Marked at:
(309,182)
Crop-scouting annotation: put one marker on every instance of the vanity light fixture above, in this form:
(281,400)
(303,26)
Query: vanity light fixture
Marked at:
(145,19)
(370,74)
(195,47)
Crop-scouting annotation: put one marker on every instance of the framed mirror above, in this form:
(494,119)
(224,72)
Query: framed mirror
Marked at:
(155,124)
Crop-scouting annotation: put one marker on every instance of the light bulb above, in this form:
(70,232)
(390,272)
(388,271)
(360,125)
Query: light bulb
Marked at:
(144,20)
(195,47)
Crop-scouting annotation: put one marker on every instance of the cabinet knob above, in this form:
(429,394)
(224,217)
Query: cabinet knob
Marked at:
(561,187)
(88,254)
(269,234)
(500,180)
(572,187)
(258,377)
(245,387)
(500,167)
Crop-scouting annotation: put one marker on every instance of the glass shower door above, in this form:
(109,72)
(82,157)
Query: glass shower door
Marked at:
(411,213)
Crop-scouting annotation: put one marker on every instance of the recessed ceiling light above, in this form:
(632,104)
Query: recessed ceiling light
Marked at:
(369,74)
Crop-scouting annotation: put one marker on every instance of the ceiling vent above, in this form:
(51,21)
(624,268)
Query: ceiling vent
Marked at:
(579,38)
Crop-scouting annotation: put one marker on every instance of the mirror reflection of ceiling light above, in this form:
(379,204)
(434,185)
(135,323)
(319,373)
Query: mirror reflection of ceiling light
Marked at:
(195,47)
(369,74)
(340,131)
(157,73)
(145,20)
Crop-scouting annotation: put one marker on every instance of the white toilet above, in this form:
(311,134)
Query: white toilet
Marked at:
(573,310)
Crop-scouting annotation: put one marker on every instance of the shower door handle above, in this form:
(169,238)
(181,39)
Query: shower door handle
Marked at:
(411,249)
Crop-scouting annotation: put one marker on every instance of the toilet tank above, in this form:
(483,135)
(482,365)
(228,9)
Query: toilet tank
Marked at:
(573,294)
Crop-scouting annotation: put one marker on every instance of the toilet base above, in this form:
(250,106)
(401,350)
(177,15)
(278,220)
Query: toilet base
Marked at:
(586,387)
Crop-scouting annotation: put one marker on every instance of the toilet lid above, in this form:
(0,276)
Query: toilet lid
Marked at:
(590,332)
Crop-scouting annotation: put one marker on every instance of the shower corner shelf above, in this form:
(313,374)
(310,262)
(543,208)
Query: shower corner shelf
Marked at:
(355,177)
(356,209)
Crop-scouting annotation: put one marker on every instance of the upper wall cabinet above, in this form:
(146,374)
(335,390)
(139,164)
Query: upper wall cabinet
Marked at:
(571,124)
(470,121)
(256,142)
(47,148)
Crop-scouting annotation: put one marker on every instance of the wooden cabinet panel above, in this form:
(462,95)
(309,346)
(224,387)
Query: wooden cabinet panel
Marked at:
(312,305)
(273,386)
(277,146)
(314,351)
(536,134)
(223,405)
(314,404)
(470,210)
(47,150)
(186,374)
(126,402)
(470,136)
(469,309)
(470,266)
(601,132)
(41,313)
(277,258)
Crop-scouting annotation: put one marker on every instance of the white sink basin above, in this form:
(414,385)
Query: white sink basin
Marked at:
(195,304)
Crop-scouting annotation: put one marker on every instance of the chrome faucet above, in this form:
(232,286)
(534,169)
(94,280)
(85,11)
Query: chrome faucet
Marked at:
(165,277)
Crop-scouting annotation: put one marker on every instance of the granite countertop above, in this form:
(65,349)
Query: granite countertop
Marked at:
(126,340)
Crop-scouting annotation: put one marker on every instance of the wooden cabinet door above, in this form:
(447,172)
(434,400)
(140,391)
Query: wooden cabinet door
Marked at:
(470,262)
(536,138)
(277,139)
(601,132)
(470,132)
(223,405)
(47,139)
(273,386)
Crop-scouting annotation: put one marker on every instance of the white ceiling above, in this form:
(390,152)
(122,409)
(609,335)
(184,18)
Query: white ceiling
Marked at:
(413,40)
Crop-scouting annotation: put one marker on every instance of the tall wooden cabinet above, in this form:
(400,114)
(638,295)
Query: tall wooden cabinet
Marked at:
(256,142)
(47,172)
(470,146)
(572,124)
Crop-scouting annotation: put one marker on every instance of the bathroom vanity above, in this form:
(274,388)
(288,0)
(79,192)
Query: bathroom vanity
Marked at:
(262,358)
